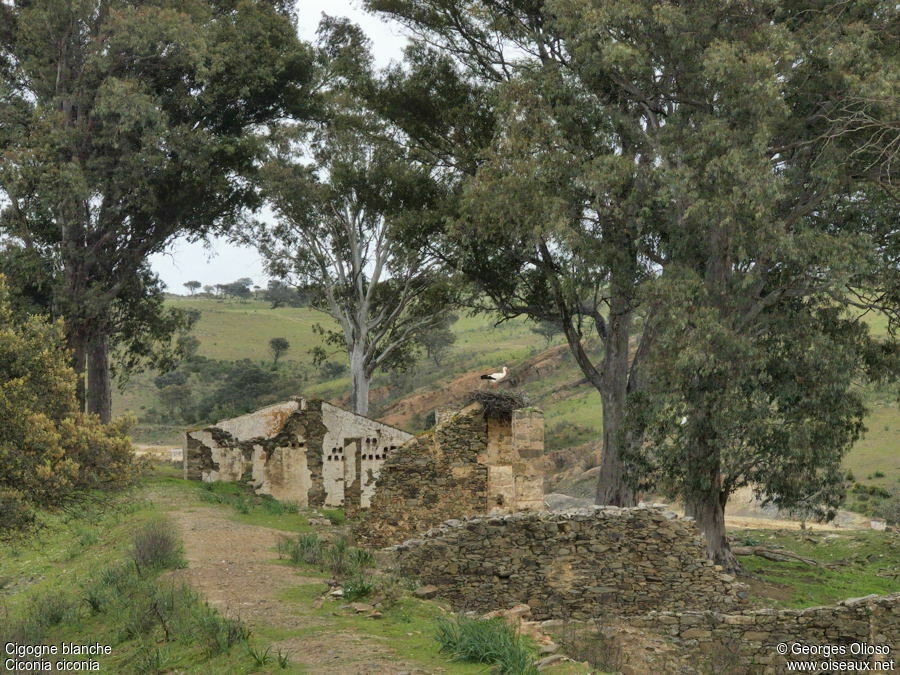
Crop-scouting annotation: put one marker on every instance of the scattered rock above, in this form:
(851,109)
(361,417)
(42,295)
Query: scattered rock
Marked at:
(548,648)
(361,607)
(548,661)
(556,501)
(376,615)
(426,592)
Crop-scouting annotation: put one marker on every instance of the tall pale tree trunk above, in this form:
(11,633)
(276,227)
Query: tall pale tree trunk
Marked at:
(359,393)
(99,389)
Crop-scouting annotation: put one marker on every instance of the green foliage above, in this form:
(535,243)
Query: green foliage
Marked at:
(853,564)
(489,641)
(699,187)
(547,330)
(278,346)
(115,146)
(49,453)
(304,549)
(357,587)
(334,516)
(192,286)
(157,547)
(341,228)
(279,294)
(336,557)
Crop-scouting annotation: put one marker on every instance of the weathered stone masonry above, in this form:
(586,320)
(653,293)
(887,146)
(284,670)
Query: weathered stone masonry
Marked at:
(304,451)
(471,463)
(752,636)
(579,564)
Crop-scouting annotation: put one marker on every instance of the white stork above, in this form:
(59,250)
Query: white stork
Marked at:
(497,377)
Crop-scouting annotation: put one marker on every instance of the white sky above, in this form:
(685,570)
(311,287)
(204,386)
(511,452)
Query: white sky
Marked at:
(220,262)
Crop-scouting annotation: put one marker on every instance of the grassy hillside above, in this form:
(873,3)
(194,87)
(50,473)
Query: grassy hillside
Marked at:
(232,330)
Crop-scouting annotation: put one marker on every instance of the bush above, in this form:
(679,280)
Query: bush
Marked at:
(305,549)
(388,590)
(489,641)
(361,559)
(157,546)
(334,516)
(337,557)
(219,633)
(357,588)
(59,452)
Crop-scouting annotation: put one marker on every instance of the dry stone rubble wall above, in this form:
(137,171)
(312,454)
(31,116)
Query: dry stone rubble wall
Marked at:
(577,564)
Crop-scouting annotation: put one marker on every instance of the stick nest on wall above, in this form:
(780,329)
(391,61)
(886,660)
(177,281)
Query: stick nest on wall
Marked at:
(498,404)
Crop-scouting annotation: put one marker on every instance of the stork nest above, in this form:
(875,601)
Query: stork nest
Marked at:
(498,404)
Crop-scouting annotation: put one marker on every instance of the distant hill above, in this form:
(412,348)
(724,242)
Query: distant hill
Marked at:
(233,330)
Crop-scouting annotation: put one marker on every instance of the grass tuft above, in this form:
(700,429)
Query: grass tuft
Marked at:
(157,547)
(489,641)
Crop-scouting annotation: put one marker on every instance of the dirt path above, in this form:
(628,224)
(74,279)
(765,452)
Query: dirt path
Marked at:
(232,565)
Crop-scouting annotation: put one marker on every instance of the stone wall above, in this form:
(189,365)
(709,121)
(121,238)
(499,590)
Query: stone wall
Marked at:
(467,465)
(854,630)
(575,564)
(304,451)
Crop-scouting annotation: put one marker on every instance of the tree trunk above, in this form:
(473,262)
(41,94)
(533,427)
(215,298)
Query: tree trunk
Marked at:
(612,490)
(99,389)
(359,395)
(78,345)
(707,507)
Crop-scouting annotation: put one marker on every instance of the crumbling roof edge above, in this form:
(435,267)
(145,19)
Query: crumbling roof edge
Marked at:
(371,419)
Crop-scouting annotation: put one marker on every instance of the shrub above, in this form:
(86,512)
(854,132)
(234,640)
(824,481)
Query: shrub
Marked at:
(156,546)
(336,557)
(59,452)
(357,587)
(242,505)
(389,590)
(360,559)
(276,508)
(334,516)
(51,609)
(219,633)
(489,641)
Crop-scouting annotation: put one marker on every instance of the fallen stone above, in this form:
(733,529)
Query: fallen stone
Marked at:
(426,592)
(548,661)
(556,501)
(361,607)
(513,614)
(376,615)
(549,648)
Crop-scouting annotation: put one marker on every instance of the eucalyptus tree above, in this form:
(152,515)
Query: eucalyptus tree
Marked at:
(718,172)
(126,123)
(340,216)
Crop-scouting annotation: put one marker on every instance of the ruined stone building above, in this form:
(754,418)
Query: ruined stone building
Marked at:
(475,461)
(304,451)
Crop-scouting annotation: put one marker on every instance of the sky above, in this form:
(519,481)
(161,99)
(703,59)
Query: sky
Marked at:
(218,261)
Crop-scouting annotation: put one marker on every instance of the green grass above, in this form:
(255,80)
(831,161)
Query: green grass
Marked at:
(408,627)
(879,449)
(94,592)
(853,565)
(234,330)
(489,641)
